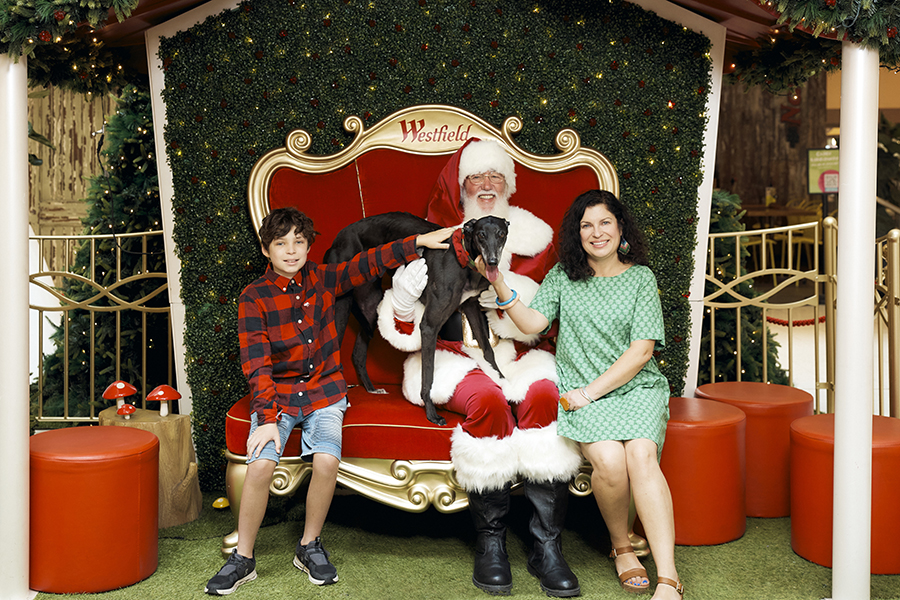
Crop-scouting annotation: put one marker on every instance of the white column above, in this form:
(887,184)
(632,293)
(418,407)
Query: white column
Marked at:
(854,354)
(14,471)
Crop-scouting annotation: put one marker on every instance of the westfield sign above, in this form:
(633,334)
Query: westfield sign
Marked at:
(414,131)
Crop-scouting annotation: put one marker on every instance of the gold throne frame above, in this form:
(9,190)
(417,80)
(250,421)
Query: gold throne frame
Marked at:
(410,485)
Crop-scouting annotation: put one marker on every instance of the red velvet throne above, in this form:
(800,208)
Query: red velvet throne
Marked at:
(391,452)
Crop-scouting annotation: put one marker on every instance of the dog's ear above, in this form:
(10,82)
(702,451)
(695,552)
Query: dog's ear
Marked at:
(468,227)
(507,224)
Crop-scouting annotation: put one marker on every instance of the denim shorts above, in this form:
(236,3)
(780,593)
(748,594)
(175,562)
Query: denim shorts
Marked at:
(320,432)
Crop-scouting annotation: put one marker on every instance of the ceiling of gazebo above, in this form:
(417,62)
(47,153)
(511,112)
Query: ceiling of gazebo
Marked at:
(745,21)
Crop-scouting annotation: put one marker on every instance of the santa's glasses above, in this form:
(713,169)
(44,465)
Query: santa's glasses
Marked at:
(490,176)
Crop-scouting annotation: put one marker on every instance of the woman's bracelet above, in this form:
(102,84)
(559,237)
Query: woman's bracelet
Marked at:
(584,393)
(508,303)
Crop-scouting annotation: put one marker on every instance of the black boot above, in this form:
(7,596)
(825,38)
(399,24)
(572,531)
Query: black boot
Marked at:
(491,573)
(546,562)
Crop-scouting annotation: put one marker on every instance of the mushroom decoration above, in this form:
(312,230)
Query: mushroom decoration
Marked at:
(119,390)
(126,410)
(162,394)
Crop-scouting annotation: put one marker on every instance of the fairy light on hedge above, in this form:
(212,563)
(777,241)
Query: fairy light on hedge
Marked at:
(459,59)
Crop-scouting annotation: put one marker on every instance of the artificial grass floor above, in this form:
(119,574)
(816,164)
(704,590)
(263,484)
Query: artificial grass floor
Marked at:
(384,553)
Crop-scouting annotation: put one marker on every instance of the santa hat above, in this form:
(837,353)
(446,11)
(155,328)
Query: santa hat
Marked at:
(475,156)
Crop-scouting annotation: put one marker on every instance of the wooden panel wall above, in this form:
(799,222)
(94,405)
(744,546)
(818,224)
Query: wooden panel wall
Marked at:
(763,140)
(57,186)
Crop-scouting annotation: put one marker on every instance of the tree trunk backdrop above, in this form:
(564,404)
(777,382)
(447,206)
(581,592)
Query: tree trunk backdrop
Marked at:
(763,140)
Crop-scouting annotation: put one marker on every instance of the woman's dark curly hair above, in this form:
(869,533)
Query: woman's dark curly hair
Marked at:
(573,258)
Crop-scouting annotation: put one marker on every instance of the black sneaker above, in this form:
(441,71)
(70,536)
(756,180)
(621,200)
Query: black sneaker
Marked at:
(313,559)
(237,570)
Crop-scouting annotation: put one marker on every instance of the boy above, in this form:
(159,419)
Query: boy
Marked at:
(291,357)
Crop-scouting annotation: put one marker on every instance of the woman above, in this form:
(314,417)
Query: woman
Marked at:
(615,403)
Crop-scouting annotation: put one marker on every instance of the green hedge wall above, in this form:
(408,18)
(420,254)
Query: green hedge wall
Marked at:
(633,85)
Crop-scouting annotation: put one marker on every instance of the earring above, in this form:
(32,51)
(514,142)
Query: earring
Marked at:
(624,246)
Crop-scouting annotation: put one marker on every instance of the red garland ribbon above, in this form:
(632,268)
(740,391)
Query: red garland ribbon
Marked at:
(802,323)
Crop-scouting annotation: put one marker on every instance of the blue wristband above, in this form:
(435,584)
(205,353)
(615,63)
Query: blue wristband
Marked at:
(508,302)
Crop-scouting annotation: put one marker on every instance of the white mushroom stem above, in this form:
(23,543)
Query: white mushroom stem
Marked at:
(119,403)
(163,408)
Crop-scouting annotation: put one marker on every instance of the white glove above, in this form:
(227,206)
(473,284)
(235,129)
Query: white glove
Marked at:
(488,298)
(408,283)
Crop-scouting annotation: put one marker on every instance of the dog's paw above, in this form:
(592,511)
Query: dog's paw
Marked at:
(379,391)
(438,420)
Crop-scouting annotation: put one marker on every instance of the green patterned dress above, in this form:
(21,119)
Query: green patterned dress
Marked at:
(598,320)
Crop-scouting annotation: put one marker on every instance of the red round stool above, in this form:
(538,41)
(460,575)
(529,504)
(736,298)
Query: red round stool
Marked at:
(94,509)
(812,491)
(703,461)
(770,410)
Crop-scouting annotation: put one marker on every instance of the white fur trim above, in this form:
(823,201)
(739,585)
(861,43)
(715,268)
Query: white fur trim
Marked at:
(503,326)
(401,341)
(519,375)
(483,464)
(487,155)
(528,234)
(449,370)
(546,456)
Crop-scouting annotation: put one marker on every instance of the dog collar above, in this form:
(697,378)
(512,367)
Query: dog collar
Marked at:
(459,248)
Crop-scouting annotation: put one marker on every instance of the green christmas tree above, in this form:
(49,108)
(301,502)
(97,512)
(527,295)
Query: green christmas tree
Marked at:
(725,217)
(123,199)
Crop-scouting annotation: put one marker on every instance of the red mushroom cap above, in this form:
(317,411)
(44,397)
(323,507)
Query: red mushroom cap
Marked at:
(126,409)
(163,392)
(119,389)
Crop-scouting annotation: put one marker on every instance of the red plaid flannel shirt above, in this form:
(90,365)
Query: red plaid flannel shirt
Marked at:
(290,353)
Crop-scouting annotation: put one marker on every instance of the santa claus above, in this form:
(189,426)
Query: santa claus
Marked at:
(509,431)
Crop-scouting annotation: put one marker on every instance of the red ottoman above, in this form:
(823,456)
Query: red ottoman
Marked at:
(770,410)
(703,461)
(94,509)
(812,491)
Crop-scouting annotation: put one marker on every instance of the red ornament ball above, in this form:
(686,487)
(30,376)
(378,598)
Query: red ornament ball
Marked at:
(45,36)
(59,15)
(892,32)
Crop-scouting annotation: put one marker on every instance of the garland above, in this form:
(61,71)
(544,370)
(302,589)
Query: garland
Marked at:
(55,36)
(800,323)
(810,43)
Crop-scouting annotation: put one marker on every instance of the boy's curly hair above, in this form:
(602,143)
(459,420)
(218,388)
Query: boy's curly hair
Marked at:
(279,223)
(572,257)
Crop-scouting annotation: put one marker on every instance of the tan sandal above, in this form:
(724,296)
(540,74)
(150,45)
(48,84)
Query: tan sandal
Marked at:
(671,583)
(630,573)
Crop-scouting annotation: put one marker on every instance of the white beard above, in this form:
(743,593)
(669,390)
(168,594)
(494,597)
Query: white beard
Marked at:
(471,210)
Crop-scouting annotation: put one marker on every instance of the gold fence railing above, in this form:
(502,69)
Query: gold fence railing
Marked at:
(805,296)
(777,274)
(887,323)
(87,326)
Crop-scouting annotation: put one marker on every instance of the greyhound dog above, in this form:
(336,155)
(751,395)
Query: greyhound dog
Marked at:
(450,276)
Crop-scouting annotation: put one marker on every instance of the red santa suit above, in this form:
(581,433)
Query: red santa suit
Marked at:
(510,425)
